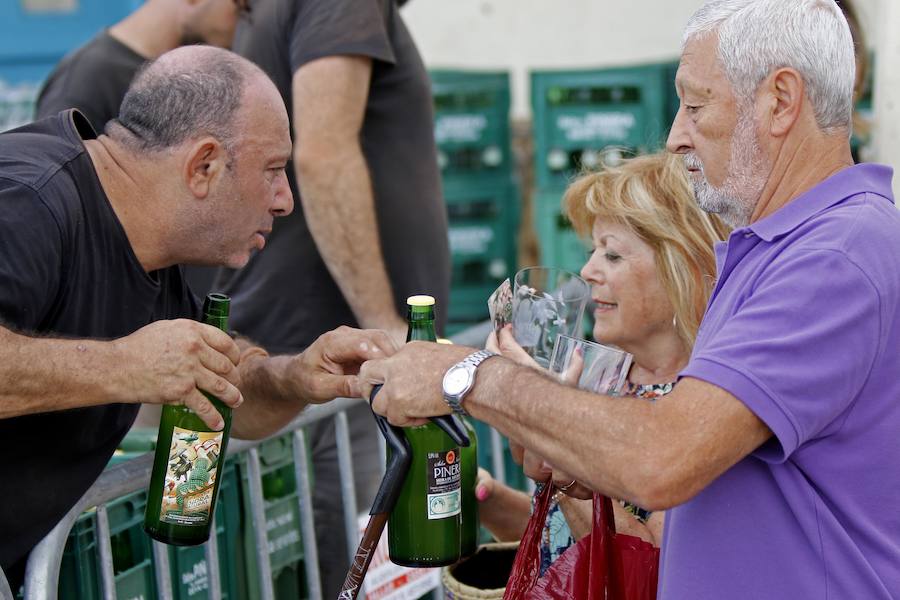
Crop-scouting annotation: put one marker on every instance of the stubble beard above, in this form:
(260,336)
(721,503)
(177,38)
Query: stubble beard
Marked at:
(748,171)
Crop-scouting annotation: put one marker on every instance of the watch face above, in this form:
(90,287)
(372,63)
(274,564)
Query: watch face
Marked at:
(456,381)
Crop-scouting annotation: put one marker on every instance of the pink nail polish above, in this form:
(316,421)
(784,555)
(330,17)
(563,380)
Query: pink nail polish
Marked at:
(481,493)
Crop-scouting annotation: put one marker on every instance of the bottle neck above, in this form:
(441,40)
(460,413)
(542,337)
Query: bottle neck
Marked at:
(421,324)
(215,311)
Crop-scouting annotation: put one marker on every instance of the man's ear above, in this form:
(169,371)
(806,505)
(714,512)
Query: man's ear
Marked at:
(787,94)
(205,160)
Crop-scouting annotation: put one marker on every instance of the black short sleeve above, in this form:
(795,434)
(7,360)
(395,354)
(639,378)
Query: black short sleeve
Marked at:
(30,256)
(340,27)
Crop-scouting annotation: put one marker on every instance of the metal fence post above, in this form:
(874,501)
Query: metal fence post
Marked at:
(5,592)
(348,489)
(161,570)
(260,530)
(211,553)
(307,523)
(497,456)
(107,577)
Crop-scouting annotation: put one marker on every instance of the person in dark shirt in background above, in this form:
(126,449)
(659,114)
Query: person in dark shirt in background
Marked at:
(370,228)
(95,77)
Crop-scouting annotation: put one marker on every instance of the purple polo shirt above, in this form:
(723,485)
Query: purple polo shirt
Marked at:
(804,328)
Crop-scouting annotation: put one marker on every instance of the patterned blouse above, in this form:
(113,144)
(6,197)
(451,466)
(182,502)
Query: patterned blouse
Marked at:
(557,537)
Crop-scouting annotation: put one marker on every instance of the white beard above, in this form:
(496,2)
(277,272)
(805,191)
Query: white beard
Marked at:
(748,171)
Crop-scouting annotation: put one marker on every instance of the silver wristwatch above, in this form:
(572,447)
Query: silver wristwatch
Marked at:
(460,378)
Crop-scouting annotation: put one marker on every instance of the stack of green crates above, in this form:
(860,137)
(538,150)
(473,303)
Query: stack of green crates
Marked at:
(583,120)
(472,132)
(282,512)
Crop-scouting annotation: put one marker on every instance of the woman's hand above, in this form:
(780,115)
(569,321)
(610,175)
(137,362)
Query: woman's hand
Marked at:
(506,345)
(573,372)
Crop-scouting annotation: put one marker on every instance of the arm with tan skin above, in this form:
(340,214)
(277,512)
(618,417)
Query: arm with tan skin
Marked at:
(656,455)
(277,388)
(161,363)
(503,511)
(335,188)
(168,362)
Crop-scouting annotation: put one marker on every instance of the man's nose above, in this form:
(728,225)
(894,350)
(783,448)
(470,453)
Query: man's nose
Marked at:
(284,199)
(678,141)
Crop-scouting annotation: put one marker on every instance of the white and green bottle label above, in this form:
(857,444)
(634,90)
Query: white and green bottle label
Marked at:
(444,476)
(193,464)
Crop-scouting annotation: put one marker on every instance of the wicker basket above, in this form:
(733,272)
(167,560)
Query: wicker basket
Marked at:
(477,577)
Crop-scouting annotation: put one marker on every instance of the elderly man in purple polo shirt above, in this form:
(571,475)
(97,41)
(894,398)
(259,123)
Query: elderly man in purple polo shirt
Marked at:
(778,449)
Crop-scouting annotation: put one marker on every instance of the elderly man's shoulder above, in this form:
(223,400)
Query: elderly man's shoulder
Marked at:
(863,230)
(862,221)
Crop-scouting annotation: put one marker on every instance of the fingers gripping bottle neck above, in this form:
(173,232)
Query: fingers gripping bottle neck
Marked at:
(189,461)
(424,528)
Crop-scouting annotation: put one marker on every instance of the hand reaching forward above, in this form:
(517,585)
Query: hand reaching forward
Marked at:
(412,381)
(329,367)
(169,362)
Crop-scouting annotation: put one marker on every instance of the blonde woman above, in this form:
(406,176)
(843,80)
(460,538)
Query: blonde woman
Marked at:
(651,271)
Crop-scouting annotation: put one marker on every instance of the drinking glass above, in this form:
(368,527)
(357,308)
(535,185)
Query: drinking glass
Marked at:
(546,302)
(603,369)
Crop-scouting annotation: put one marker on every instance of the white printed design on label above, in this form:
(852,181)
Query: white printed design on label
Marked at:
(190,477)
(444,476)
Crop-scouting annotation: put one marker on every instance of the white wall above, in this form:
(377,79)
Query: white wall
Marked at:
(518,35)
(886,133)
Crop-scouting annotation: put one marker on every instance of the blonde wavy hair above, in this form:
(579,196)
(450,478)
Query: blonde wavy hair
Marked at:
(651,196)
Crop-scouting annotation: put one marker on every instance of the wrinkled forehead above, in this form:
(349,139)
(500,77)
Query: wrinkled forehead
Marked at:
(699,71)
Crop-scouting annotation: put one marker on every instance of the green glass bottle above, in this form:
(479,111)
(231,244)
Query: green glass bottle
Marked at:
(424,529)
(471,524)
(189,457)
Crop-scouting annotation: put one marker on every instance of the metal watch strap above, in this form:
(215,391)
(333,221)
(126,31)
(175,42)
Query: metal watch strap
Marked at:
(476,358)
(472,360)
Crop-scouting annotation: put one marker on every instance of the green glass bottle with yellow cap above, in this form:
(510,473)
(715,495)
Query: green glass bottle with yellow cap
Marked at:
(424,528)
(189,459)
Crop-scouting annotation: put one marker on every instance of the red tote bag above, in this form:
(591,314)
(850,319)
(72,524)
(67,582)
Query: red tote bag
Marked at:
(603,565)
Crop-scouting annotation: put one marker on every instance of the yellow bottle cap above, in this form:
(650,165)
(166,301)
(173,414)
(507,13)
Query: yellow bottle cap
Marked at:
(444,341)
(420,301)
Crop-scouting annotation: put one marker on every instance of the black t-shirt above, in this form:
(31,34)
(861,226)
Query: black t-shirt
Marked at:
(93,79)
(66,270)
(285,297)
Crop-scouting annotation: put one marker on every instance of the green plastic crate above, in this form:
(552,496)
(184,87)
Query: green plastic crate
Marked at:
(585,118)
(282,522)
(190,572)
(482,234)
(560,246)
(131,548)
(79,572)
(471,126)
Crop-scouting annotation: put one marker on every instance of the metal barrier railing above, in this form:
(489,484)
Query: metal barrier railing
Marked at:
(43,567)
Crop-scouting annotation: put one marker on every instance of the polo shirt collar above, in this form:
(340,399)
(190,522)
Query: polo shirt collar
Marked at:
(840,186)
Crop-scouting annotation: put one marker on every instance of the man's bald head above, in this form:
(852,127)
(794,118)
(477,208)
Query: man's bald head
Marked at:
(185,93)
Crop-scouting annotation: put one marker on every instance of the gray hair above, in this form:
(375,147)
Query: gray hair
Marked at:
(180,96)
(758,36)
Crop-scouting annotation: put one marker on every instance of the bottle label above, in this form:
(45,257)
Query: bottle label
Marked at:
(190,477)
(444,475)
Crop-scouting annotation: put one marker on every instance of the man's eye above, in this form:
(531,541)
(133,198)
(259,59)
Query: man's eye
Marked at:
(612,256)
(691,108)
